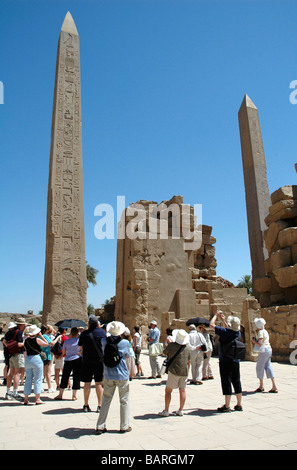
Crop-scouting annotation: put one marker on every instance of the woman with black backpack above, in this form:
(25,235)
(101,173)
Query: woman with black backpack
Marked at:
(229,367)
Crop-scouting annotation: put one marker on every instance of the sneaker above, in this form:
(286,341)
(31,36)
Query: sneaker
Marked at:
(50,390)
(8,396)
(16,396)
(163,413)
(178,413)
(86,408)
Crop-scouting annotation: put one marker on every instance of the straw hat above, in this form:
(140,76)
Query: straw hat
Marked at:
(21,321)
(115,328)
(180,336)
(31,330)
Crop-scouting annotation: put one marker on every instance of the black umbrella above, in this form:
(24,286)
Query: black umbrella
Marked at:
(72,323)
(198,321)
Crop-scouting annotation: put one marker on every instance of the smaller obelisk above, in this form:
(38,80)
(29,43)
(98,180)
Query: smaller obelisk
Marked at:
(256,186)
(65,284)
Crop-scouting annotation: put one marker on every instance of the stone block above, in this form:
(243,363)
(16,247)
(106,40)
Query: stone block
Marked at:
(294,254)
(288,237)
(286,277)
(281,258)
(263,284)
(202,285)
(271,234)
(291,295)
(186,302)
(210,262)
(282,210)
(209,250)
(286,192)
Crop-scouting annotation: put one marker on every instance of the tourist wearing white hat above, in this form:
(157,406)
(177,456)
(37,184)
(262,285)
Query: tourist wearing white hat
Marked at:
(229,368)
(116,377)
(178,355)
(198,346)
(33,363)
(153,338)
(263,347)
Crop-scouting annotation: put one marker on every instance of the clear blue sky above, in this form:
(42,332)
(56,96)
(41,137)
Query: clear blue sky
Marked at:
(162,83)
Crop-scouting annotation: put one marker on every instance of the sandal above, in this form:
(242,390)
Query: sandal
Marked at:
(273,390)
(224,409)
(259,390)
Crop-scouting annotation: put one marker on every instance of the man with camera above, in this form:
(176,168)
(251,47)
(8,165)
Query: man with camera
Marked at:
(198,346)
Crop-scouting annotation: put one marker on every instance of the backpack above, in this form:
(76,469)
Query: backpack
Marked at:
(235,349)
(57,348)
(111,357)
(12,345)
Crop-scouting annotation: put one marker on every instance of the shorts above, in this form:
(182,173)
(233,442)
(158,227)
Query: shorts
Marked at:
(59,363)
(17,361)
(90,370)
(176,381)
(46,362)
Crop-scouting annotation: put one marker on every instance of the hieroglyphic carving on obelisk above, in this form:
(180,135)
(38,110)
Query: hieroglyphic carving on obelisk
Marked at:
(65,284)
(256,185)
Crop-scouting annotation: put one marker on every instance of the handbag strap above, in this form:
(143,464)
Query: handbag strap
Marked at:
(94,342)
(173,357)
(33,349)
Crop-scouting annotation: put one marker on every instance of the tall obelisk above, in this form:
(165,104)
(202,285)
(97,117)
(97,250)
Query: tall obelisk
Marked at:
(65,284)
(256,185)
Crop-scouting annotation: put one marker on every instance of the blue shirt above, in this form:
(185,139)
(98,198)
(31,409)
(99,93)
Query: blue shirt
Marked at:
(47,349)
(154,334)
(226,335)
(120,372)
(71,348)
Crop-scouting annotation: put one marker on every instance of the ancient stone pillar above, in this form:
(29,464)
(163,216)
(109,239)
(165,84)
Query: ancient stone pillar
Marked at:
(65,284)
(256,186)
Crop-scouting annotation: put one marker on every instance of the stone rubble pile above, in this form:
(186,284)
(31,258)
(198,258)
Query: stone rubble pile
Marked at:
(279,286)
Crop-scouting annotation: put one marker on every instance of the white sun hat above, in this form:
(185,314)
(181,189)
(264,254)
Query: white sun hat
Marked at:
(180,336)
(115,328)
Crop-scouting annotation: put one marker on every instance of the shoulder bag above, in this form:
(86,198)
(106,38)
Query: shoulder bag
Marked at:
(166,363)
(41,353)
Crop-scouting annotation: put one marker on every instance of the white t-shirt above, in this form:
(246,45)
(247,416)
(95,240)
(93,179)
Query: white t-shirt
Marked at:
(264,334)
(137,336)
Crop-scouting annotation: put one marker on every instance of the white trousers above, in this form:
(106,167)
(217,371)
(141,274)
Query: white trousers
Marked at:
(196,365)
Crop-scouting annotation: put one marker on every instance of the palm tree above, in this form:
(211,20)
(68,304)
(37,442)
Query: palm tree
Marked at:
(246,282)
(90,310)
(91,274)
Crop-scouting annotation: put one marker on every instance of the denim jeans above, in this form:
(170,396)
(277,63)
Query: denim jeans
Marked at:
(108,392)
(33,369)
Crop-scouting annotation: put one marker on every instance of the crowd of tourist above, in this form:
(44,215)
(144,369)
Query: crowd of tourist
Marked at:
(111,356)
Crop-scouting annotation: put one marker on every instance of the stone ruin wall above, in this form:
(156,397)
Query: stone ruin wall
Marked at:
(279,286)
(158,279)
(278,289)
